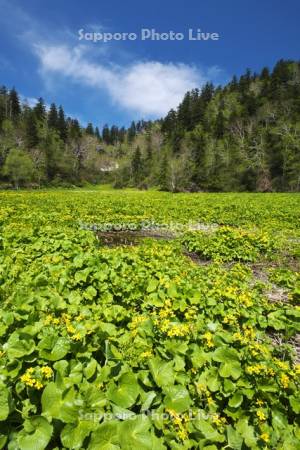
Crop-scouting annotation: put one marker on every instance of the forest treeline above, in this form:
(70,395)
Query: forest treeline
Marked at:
(244,136)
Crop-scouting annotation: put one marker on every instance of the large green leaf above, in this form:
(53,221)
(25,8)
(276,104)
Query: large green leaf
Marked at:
(72,436)
(247,432)
(57,404)
(35,435)
(295,403)
(208,431)
(106,437)
(235,440)
(53,348)
(236,400)
(225,355)
(232,370)
(162,371)
(177,398)
(135,434)
(16,347)
(125,392)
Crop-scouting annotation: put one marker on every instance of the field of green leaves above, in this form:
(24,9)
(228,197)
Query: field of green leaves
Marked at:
(144,347)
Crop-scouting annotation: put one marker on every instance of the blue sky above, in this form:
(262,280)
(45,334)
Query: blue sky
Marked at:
(117,81)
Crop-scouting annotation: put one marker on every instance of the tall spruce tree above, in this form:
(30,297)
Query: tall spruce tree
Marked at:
(40,110)
(14,105)
(62,125)
(53,117)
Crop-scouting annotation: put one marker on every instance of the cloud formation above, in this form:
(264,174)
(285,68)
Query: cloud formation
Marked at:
(148,88)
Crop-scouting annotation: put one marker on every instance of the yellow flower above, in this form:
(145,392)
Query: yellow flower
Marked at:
(210,401)
(137,320)
(284,380)
(281,364)
(216,420)
(26,379)
(147,354)
(38,385)
(171,412)
(265,437)
(48,320)
(47,371)
(259,402)
(70,329)
(163,313)
(79,318)
(182,434)
(178,330)
(208,337)
(177,421)
(261,415)
(76,337)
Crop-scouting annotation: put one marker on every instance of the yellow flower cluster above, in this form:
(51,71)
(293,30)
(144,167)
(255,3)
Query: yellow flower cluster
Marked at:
(70,329)
(218,420)
(79,318)
(47,371)
(27,378)
(209,339)
(76,337)
(284,380)
(163,281)
(182,434)
(265,437)
(178,330)
(203,391)
(230,292)
(245,299)
(249,332)
(163,313)
(32,381)
(166,310)
(48,320)
(147,354)
(137,320)
(281,364)
(261,415)
(179,422)
(65,318)
(245,336)
(258,349)
(191,313)
(260,369)
(230,319)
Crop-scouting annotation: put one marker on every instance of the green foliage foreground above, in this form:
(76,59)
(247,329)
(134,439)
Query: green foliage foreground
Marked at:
(139,347)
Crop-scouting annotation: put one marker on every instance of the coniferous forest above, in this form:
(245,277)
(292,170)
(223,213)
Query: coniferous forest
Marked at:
(244,136)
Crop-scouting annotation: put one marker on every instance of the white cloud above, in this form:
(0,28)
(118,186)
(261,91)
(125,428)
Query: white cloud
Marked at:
(30,101)
(147,88)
